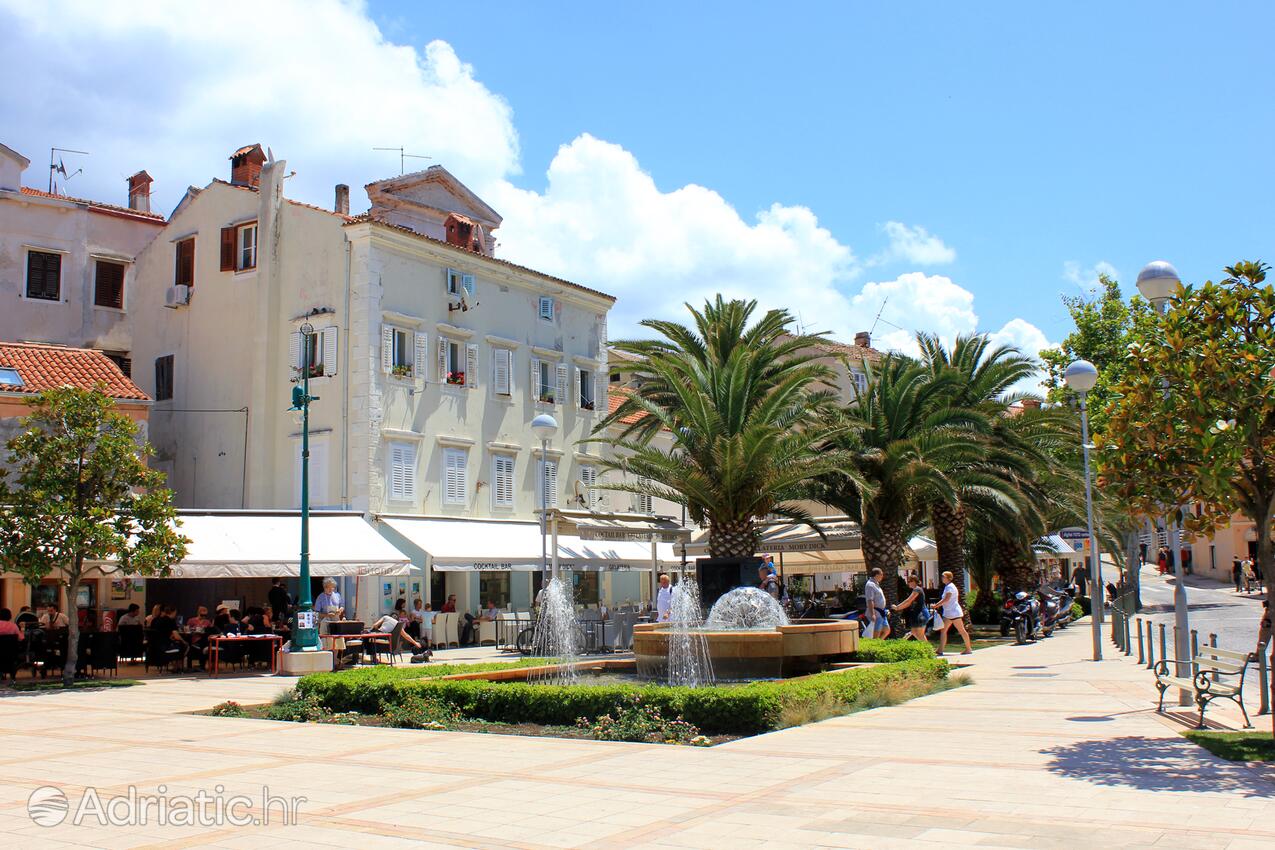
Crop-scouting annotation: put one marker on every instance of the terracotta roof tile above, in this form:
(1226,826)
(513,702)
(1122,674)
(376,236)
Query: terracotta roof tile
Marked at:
(43,367)
(98,206)
(617,397)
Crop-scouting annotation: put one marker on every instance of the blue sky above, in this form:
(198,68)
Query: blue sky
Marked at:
(971,162)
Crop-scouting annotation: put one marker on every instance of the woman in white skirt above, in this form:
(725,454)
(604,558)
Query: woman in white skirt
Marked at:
(950,610)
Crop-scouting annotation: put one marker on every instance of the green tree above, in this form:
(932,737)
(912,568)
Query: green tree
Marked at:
(81,494)
(740,403)
(1194,419)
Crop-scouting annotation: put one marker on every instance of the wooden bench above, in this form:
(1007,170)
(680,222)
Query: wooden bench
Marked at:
(1220,675)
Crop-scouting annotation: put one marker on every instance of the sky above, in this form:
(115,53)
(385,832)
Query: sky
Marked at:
(900,167)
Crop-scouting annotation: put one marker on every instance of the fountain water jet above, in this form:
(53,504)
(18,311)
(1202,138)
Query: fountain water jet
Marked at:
(746,608)
(557,633)
(688,659)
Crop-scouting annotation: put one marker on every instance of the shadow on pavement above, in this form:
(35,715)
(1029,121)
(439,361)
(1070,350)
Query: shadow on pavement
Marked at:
(1156,764)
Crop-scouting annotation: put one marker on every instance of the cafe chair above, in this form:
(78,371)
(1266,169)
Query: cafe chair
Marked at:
(104,652)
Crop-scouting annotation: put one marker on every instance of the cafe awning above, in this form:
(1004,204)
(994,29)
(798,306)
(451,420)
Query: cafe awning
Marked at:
(451,545)
(923,548)
(839,535)
(251,544)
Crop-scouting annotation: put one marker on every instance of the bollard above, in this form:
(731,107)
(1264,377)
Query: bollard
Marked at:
(1264,682)
(1213,643)
(1128,639)
(1150,645)
(1142,655)
(1195,650)
(1164,645)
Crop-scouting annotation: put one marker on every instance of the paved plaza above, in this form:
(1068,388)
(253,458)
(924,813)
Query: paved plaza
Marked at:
(1046,750)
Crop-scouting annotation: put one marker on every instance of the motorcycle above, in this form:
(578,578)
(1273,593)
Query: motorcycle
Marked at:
(1050,612)
(1018,616)
(1064,598)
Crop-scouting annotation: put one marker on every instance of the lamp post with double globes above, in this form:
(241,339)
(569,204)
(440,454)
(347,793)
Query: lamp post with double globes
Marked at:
(1080,377)
(1158,282)
(544,427)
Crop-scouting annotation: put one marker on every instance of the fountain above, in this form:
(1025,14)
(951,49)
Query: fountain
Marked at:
(557,633)
(746,608)
(688,661)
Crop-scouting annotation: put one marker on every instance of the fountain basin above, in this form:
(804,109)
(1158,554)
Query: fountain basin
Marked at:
(743,654)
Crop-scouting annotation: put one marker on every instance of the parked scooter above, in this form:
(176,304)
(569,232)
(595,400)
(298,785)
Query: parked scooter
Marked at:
(1064,598)
(1019,616)
(1050,612)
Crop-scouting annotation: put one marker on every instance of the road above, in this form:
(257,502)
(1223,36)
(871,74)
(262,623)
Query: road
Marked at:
(1213,608)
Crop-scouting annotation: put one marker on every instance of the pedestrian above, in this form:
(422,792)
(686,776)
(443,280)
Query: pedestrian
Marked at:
(664,599)
(1237,572)
(1263,631)
(952,615)
(1258,577)
(1142,553)
(1249,576)
(769,582)
(875,613)
(1162,560)
(915,611)
(1186,562)
(279,601)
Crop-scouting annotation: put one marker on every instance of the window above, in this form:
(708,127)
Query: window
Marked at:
(454,364)
(502,491)
(615,377)
(459,281)
(860,380)
(108,287)
(454,478)
(121,360)
(10,377)
(493,586)
(585,591)
(589,496)
(546,308)
(248,247)
(44,275)
(164,377)
(542,381)
(239,247)
(403,353)
(402,476)
(584,382)
(502,361)
(644,503)
(318,351)
(184,265)
(548,472)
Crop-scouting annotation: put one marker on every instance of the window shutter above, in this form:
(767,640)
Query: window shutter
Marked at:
(551,468)
(589,478)
(420,357)
(546,308)
(471,366)
(109,287)
(454,476)
(329,350)
(562,384)
(601,384)
(294,352)
(403,471)
(500,363)
(577,387)
(441,377)
(535,389)
(467,282)
(503,492)
(387,348)
(228,236)
(449,281)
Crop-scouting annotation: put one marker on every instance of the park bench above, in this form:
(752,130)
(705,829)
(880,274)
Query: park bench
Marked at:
(1219,675)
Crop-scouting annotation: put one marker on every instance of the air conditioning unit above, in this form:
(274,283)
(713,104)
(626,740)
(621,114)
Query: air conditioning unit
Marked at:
(177,296)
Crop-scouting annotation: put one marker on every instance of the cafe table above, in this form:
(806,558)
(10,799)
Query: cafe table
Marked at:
(215,642)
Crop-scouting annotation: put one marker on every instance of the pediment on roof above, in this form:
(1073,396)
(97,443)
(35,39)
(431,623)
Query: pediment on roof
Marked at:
(437,189)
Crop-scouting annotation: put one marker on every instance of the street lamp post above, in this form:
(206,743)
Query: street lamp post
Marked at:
(1080,377)
(544,427)
(1158,282)
(306,636)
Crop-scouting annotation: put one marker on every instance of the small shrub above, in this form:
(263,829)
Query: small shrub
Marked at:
(639,722)
(230,708)
(298,708)
(1076,611)
(892,651)
(422,711)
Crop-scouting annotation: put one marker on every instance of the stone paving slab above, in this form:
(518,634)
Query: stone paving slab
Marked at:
(1045,750)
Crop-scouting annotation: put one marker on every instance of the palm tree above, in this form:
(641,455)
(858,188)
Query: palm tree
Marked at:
(978,378)
(741,404)
(899,437)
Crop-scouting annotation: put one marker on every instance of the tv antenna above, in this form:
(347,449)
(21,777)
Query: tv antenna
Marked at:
(878,319)
(403,157)
(58,167)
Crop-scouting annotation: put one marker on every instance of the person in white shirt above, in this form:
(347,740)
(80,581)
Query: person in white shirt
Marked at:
(875,614)
(52,618)
(664,599)
(329,606)
(953,617)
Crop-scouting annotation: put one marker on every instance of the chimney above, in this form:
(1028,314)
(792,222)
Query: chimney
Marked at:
(342,199)
(139,192)
(1030,403)
(863,339)
(245,166)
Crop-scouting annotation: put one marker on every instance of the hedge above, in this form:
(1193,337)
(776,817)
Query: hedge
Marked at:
(892,651)
(730,710)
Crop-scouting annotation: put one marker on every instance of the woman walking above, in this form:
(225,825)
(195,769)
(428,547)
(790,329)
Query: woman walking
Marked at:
(952,615)
(914,610)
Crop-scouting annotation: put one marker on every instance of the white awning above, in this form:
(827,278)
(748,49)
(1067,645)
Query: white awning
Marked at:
(923,548)
(468,545)
(839,534)
(1054,546)
(263,545)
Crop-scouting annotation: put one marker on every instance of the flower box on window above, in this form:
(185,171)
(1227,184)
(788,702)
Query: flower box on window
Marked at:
(586,405)
(456,378)
(315,370)
(546,398)
(402,371)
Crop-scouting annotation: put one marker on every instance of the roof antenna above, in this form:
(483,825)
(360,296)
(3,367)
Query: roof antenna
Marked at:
(873,329)
(402,158)
(60,168)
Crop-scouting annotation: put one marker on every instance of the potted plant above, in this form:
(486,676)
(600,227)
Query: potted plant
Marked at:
(402,370)
(456,378)
(546,397)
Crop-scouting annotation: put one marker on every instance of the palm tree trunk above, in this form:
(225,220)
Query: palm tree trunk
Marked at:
(884,550)
(1017,566)
(732,538)
(949,538)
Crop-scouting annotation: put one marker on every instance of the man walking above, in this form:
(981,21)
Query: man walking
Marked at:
(1237,573)
(875,615)
(664,599)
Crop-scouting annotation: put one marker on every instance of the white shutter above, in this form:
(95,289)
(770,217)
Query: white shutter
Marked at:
(535,389)
(561,397)
(577,387)
(294,353)
(589,477)
(601,385)
(454,483)
(402,471)
(549,483)
(546,308)
(441,376)
(602,337)
(503,469)
(471,366)
(501,360)
(329,351)
(387,348)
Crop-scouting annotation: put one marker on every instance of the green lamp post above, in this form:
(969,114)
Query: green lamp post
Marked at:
(305,637)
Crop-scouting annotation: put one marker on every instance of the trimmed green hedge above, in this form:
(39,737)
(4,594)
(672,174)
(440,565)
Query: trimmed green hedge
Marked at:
(740,710)
(892,651)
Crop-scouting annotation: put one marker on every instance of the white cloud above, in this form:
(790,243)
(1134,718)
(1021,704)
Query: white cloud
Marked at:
(174,88)
(1028,339)
(1086,277)
(912,245)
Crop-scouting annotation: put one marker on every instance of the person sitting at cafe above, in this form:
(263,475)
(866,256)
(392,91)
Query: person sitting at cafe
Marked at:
(388,623)
(254,622)
(149,622)
(164,626)
(131,617)
(52,618)
(224,624)
(200,620)
(8,627)
(26,617)
(491,613)
(449,607)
